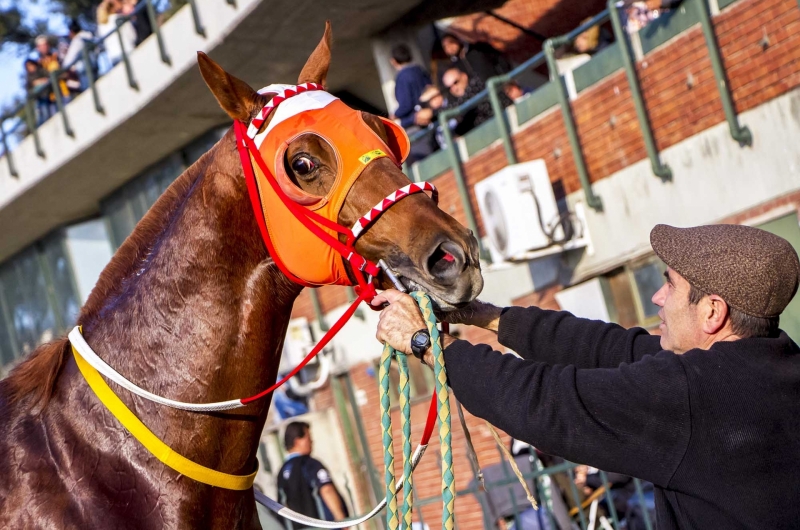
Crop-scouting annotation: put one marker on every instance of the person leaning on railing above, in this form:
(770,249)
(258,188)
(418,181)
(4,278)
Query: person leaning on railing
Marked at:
(709,412)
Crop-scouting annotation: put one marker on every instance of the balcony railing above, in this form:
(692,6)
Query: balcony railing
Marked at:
(618,55)
(24,115)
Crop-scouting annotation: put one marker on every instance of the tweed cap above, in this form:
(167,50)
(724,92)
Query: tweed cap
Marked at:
(753,270)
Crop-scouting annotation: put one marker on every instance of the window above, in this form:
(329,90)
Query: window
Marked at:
(648,277)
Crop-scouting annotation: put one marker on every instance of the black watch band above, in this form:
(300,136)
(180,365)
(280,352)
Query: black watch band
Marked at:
(420,341)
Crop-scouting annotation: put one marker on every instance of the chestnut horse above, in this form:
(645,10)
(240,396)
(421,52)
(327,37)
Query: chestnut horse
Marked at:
(193,308)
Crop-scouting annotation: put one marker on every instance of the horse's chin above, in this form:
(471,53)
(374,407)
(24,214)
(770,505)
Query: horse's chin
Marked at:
(441,304)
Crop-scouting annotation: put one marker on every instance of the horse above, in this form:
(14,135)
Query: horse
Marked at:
(193,307)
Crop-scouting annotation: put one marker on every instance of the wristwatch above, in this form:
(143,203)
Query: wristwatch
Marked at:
(420,341)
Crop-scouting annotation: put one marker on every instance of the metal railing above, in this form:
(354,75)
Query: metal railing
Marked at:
(25,113)
(575,506)
(505,129)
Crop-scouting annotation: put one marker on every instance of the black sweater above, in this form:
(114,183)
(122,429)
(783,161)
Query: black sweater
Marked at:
(717,431)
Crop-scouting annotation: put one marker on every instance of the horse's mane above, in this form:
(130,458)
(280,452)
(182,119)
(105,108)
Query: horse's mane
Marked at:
(36,376)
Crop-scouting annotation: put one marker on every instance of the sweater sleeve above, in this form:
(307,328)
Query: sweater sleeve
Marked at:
(633,419)
(558,337)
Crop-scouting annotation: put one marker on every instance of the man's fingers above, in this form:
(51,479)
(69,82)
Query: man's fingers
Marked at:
(388,296)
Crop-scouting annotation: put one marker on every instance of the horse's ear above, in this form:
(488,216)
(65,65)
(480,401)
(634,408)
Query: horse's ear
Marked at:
(234,95)
(316,68)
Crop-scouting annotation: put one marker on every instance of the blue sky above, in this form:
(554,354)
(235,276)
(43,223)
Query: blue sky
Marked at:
(11,57)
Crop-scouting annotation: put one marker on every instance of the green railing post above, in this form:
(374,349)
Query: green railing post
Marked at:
(739,133)
(612,510)
(660,169)
(503,127)
(60,102)
(125,59)
(232,2)
(30,118)
(88,66)
(323,325)
(151,12)
(11,168)
(377,487)
(458,173)
(643,504)
(569,124)
(574,490)
(198,25)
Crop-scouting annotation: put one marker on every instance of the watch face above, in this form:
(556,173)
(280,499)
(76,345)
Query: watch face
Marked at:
(420,339)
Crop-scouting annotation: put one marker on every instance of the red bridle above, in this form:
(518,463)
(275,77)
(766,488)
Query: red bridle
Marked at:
(363,270)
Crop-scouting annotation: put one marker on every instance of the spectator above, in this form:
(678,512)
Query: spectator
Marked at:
(638,14)
(480,59)
(304,484)
(515,92)
(77,41)
(50,62)
(108,13)
(425,117)
(411,80)
(35,77)
(462,88)
(140,20)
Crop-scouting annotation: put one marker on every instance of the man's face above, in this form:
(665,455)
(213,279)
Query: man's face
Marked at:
(42,47)
(456,82)
(681,327)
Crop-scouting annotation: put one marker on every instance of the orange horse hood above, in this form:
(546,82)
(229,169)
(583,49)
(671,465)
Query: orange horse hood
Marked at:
(356,145)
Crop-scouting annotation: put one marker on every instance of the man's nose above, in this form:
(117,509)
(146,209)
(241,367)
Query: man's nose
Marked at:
(658,298)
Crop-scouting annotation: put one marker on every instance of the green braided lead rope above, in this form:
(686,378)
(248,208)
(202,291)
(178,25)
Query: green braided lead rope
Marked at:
(393,522)
(405,422)
(445,433)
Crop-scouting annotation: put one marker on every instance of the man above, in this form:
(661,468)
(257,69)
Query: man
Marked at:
(709,412)
(305,485)
(409,84)
(479,59)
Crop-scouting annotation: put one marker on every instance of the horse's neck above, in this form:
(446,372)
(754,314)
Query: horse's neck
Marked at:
(196,313)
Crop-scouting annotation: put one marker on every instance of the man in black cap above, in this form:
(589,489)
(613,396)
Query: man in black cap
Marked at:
(709,411)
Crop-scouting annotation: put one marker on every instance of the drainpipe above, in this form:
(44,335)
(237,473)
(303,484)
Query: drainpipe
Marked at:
(660,169)
(569,123)
(739,133)
(318,310)
(458,171)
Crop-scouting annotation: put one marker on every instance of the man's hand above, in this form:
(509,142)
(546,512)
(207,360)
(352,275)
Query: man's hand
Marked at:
(480,314)
(399,321)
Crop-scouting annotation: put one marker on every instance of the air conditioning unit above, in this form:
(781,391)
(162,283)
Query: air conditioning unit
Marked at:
(519,211)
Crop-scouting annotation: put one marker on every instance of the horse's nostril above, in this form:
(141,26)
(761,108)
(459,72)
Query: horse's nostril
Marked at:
(446,261)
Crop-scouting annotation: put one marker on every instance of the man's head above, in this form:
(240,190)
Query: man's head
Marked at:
(401,56)
(455,81)
(297,438)
(724,282)
(74,28)
(431,98)
(42,45)
(31,65)
(451,45)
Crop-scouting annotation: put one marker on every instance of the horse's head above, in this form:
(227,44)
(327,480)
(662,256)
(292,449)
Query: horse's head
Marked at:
(427,247)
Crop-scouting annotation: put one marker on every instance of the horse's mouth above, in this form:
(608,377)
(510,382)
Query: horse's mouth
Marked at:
(440,302)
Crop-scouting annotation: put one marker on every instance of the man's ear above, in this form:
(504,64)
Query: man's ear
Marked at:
(716,314)
(234,95)
(316,68)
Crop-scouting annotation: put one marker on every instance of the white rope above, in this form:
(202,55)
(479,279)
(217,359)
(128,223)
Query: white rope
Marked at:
(80,344)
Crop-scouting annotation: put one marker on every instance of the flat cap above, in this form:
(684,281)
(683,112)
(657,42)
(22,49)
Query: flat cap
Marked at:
(751,269)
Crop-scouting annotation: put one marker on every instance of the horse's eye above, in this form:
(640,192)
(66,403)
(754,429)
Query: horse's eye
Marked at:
(302,165)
